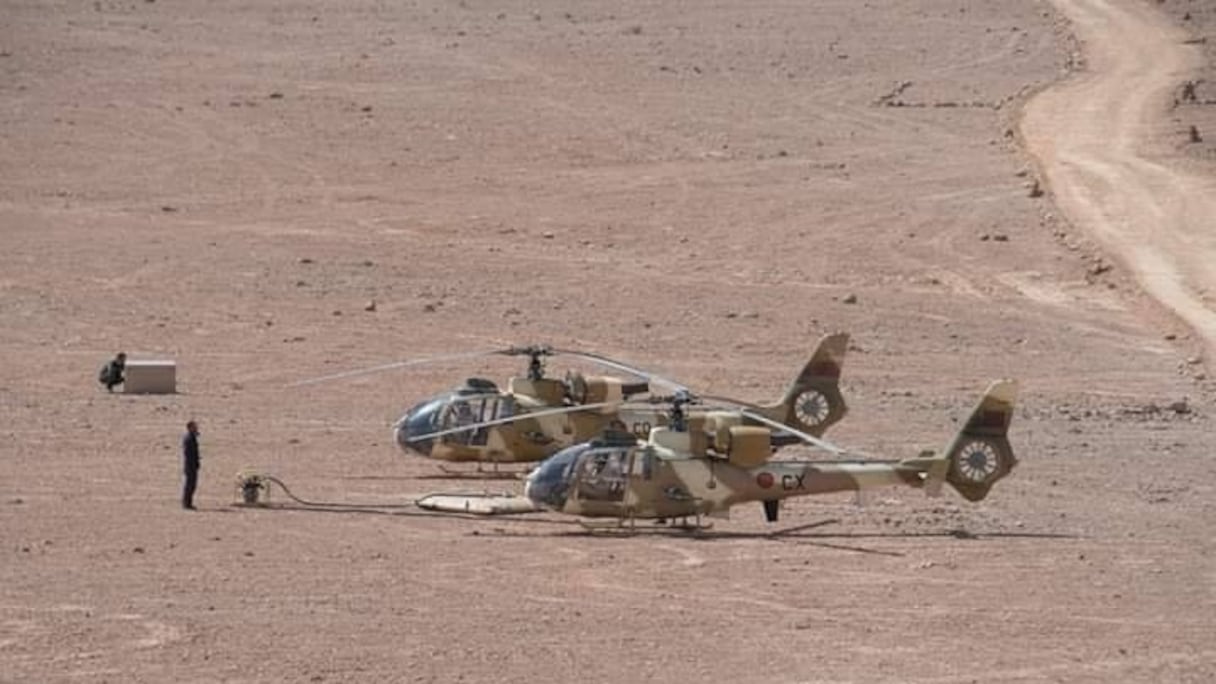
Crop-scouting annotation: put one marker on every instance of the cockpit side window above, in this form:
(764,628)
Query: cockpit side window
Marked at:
(602,474)
(461,411)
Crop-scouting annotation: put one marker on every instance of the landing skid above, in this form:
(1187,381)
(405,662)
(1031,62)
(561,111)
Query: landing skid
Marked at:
(629,525)
(450,473)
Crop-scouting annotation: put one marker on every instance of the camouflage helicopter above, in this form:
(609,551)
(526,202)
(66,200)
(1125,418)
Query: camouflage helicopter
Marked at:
(537,415)
(717,462)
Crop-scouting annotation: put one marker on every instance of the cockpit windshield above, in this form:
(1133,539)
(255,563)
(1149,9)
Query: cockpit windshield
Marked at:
(549,484)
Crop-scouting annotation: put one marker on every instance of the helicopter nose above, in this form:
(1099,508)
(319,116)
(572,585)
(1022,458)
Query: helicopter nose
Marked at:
(405,433)
(539,492)
(546,486)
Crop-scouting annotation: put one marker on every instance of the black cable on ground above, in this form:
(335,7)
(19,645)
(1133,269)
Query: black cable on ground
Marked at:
(326,504)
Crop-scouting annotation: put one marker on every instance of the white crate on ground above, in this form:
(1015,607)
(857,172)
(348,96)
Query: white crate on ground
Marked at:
(150,377)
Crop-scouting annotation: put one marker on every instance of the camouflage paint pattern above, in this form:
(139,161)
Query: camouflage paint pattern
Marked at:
(672,476)
(812,403)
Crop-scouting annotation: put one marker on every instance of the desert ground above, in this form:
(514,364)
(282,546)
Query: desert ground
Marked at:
(701,188)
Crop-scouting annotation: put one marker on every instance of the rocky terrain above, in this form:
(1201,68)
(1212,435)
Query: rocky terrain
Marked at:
(268,192)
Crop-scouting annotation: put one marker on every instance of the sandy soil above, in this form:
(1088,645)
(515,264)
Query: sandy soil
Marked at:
(695,187)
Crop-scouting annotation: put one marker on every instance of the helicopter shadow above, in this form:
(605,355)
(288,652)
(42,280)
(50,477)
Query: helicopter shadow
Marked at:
(806,535)
(403,511)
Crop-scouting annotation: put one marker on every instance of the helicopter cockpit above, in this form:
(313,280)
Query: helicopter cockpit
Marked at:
(596,470)
(477,401)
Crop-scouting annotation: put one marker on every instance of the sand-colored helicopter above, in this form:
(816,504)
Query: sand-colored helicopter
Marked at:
(716,462)
(537,415)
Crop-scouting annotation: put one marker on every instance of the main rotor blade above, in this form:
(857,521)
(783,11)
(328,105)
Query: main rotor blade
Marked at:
(809,439)
(511,419)
(400,364)
(732,401)
(621,366)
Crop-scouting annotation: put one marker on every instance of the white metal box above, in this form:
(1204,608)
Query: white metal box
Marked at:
(150,377)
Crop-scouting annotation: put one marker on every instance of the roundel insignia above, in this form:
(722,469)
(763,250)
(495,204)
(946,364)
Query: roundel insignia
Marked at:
(765,480)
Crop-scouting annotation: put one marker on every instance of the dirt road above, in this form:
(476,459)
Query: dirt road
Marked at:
(1091,138)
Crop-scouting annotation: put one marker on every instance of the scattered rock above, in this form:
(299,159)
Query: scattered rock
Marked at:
(306,260)
(850,299)
(429,308)
(1099,267)
(137,549)
(1194,135)
(368,263)
(170,209)
(1036,190)
(370,306)
(337,312)
(1169,336)
(1180,407)
(548,235)
(1000,237)
(275,95)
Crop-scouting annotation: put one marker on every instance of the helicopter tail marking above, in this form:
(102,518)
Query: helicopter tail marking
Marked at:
(980,454)
(813,402)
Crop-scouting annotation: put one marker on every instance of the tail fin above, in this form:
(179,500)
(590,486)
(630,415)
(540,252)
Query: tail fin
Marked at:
(813,402)
(980,454)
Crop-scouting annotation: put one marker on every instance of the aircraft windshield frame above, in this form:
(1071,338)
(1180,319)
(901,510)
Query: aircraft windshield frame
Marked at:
(549,484)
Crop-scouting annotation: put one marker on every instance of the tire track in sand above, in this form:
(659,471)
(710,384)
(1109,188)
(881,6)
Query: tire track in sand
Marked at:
(1089,135)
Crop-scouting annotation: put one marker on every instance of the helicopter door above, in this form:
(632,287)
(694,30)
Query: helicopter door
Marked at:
(603,475)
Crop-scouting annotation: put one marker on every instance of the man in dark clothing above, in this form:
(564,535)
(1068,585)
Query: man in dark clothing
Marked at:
(112,373)
(190,461)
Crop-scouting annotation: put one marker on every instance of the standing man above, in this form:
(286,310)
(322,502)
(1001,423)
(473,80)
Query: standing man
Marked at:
(190,463)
